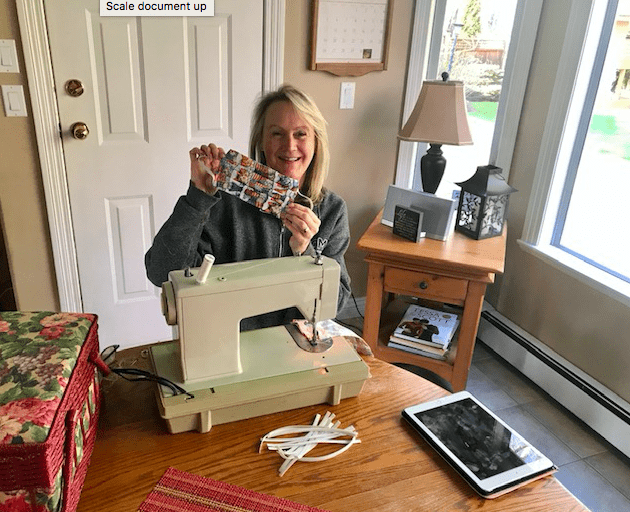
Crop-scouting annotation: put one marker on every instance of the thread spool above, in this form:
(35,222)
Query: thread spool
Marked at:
(204,270)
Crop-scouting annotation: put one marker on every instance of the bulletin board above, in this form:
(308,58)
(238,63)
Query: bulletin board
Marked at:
(350,37)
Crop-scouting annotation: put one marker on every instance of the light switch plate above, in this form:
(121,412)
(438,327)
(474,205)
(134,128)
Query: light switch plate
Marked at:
(346,95)
(8,56)
(14,103)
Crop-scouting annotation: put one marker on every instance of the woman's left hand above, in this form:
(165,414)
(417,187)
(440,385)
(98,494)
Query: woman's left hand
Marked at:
(303,224)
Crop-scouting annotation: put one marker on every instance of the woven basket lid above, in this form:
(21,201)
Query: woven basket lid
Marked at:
(38,351)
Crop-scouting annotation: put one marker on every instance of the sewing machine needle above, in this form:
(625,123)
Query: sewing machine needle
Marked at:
(314,338)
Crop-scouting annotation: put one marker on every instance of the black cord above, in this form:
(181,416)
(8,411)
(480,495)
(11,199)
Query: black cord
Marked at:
(353,328)
(144,375)
(350,326)
(5,291)
(356,305)
(108,354)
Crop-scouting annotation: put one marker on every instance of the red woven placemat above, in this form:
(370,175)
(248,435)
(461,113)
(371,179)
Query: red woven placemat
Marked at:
(178,491)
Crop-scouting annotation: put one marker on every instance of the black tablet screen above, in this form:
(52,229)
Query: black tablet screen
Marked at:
(482,443)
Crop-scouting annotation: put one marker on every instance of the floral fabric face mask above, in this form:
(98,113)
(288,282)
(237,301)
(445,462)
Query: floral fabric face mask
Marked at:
(255,183)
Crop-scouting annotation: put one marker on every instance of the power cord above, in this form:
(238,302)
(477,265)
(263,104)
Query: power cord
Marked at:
(135,374)
(350,326)
(356,305)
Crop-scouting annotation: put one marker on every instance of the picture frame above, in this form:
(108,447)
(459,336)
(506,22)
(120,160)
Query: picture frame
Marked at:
(439,216)
(408,223)
(350,37)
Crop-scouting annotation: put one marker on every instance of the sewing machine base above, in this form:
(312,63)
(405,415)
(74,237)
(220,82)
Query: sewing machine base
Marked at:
(277,376)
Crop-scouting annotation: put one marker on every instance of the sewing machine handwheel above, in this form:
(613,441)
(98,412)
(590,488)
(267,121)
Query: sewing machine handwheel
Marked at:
(168,303)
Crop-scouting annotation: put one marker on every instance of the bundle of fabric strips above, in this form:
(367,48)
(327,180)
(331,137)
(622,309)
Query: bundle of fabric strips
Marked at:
(293,442)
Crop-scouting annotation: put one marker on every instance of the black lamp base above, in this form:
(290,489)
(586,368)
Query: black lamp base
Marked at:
(432,168)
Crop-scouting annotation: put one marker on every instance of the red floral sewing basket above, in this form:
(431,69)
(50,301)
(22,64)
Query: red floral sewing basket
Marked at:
(49,405)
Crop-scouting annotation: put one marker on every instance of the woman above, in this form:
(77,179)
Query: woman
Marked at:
(289,135)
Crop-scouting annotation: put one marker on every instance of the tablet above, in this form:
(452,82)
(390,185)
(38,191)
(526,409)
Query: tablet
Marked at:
(490,455)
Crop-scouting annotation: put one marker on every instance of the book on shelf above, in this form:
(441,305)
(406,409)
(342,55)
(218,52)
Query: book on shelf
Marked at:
(416,348)
(427,326)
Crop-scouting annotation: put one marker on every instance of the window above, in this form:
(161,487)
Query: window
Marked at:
(487,45)
(577,217)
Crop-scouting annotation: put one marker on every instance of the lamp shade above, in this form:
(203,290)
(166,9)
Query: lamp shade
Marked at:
(439,116)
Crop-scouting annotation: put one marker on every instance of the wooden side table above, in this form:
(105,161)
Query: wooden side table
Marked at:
(456,271)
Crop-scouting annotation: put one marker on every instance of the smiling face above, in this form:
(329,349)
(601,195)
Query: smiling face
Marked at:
(288,141)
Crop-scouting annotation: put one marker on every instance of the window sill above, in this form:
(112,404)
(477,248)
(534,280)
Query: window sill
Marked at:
(574,267)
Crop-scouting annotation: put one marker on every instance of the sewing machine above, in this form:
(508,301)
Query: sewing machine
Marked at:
(236,375)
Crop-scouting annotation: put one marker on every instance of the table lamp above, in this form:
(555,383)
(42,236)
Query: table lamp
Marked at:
(439,117)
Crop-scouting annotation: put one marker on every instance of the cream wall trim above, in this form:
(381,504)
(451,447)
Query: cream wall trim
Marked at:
(415,75)
(524,30)
(584,30)
(586,273)
(46,119)
(600,408)
(47,130)
(545,195)
(273,49)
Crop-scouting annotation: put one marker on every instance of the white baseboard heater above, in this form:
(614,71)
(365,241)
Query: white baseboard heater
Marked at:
(600,408)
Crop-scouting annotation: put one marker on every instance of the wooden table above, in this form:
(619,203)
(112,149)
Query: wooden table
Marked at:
(456,271)
(392,469)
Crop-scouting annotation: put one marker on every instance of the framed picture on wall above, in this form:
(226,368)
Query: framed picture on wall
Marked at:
(350,37)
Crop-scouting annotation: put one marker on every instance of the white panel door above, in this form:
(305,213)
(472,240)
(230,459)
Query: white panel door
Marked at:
(154,88)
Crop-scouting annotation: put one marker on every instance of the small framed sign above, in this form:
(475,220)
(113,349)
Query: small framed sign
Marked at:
(408,223)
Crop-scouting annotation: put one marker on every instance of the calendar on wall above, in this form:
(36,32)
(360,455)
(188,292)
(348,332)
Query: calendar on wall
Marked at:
(350,37)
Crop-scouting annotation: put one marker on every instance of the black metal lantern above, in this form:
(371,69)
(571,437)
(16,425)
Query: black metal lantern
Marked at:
(483,203)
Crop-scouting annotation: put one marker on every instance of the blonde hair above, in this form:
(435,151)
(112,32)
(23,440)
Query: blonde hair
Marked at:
(313,183)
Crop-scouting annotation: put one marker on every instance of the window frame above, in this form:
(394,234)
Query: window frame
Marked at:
(427,32)
(554,172)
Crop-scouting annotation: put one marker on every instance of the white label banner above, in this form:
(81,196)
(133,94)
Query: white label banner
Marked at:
(155,8)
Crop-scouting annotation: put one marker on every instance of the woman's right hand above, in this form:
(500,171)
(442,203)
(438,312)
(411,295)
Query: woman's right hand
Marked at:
(210,156)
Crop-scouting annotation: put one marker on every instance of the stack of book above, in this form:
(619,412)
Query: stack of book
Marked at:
(425,331)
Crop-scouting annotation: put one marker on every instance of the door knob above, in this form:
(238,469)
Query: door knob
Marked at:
(80,131)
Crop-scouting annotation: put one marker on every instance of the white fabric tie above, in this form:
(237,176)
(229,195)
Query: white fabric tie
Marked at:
(294,448)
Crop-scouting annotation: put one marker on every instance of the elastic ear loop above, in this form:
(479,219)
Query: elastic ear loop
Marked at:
(310,201)
(207,170)
(328,436)
(293,449)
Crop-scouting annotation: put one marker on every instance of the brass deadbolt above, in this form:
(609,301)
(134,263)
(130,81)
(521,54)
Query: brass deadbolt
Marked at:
(74,87)
(80,131)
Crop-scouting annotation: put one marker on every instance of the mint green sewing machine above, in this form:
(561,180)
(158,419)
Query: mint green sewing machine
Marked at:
(235,375)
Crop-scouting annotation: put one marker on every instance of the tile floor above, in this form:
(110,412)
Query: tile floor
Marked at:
(589,467)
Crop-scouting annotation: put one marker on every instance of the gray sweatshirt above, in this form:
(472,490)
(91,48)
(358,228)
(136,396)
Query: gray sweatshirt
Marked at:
(232,230)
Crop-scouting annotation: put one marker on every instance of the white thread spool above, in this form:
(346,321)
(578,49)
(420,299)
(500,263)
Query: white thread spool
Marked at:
(204,270)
